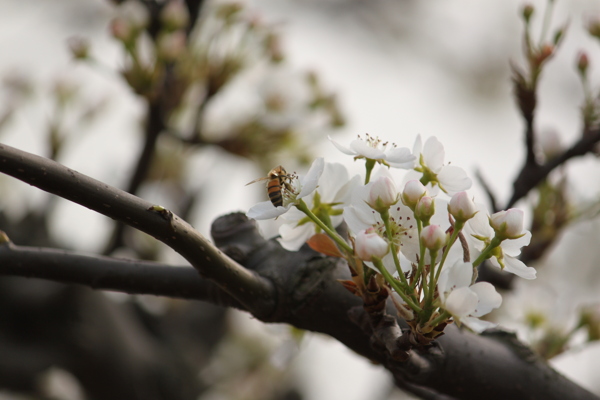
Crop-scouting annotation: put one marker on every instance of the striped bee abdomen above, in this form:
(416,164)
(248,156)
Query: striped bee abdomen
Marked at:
(274,191)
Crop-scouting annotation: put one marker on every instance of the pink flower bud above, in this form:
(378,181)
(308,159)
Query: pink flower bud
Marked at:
(508,224)
(425,209)
(461,207)
(121,29)
(383,194)
(369,244)
(413,191)
(433,237)
(171,45)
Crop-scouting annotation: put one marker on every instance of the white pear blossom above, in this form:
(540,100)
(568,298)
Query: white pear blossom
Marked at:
(461,207)
(449,178)
(466,302)
(369,244)
(333,193)
(383,193)
(360,216)
(372,148)
(508,224)
(425,208)
(303,186)
(433,237)
(505,256)
(412,193)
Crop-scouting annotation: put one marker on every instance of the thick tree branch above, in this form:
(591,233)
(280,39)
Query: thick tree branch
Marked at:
(107,273)
(252,291)
(461,365)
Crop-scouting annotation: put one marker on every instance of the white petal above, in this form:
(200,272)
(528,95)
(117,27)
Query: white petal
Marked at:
(362,148)
(518,268)
(344,193)
(293,237)
(400,157)
(480,225)
(433,154)
(265,210)
(476,324)
(512,247)
(454,179)
(461,302)
(417,146)
(341,148)
(334,176)
(410,247)
(453,277)
(311,180)
(357,220)
(489,299)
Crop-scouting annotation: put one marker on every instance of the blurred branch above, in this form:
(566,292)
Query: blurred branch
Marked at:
(105,273)
(488,190)
(252,291)
(532,174)
(156,113)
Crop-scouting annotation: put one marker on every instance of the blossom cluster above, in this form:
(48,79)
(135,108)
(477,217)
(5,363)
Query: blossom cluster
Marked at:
(417,235)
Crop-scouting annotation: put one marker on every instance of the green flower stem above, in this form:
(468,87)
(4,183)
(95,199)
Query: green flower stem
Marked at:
(486,253)
(418,273)
(385,216)
(325,218)
(451,242)
(432,281)
(301,205)
(395,285)
(369,164)
(439,319)
(421,265)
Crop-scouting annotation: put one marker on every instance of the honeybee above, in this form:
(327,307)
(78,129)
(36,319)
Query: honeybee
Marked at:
(278,180)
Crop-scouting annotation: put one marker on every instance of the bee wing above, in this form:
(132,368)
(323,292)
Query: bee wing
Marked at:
(257,180)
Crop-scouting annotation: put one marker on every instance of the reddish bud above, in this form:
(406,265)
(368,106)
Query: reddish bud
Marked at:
(583,63)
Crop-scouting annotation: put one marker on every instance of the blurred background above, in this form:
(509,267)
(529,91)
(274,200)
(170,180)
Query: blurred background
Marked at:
(223,98)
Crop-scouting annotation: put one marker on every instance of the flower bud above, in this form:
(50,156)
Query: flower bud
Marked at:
(546,51)
(461,207)
(508,224)
(413,191)
(121,29)
(583,62)
(425,209)
(550,143)
(369,244)
(527,12)
(136,14)
(383,194)
(433,237)
(171,45)
(175,15)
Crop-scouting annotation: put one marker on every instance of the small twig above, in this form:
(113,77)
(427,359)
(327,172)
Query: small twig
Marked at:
(488,190)
(107,273)
(530,176)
